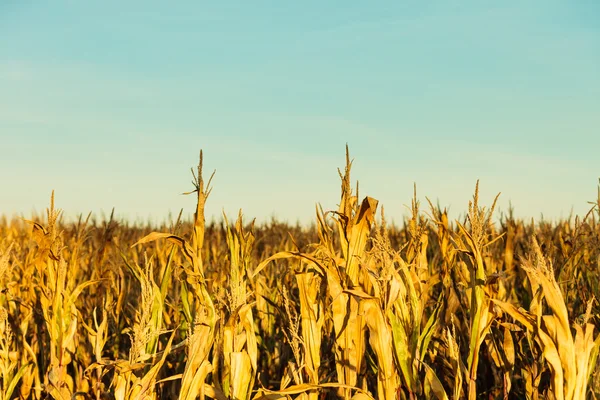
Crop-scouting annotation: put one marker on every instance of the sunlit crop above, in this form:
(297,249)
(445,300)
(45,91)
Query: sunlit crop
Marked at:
(487,306)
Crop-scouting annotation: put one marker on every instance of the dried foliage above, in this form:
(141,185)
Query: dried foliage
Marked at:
(349,308)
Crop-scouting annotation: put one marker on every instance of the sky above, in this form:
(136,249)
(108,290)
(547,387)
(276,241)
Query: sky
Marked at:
(109,102)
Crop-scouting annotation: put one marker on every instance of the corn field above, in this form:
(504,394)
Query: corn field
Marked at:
(485,307)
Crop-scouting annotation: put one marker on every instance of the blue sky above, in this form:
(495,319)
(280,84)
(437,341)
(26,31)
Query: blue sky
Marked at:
(109,103)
